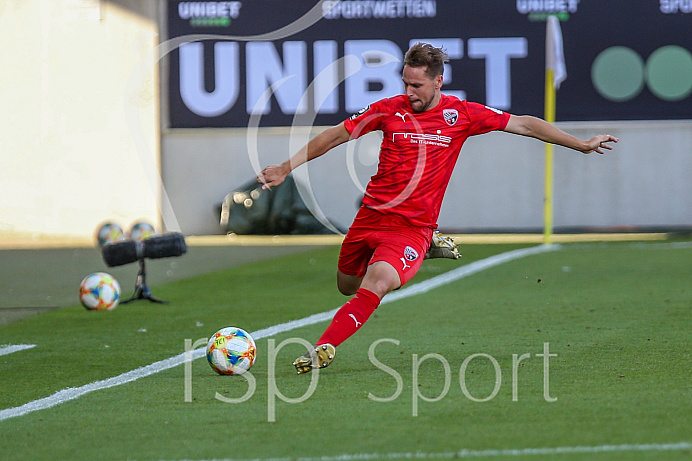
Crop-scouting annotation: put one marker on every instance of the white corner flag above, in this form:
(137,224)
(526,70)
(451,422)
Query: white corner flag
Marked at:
(554,54)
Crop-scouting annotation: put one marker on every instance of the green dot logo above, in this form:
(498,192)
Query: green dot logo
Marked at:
(669,73)
(619,73)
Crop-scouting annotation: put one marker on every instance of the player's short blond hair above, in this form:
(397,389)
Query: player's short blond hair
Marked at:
(426,55)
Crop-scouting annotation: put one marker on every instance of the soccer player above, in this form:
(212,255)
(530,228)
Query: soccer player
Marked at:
(423,134)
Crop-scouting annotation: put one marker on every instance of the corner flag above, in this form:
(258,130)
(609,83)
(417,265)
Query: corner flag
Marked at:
(554,55)
(555,74)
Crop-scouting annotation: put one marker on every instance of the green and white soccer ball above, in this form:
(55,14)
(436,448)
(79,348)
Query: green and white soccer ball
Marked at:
(99,292)
(231,351)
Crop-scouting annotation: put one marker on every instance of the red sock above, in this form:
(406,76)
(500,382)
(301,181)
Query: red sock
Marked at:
(350,317)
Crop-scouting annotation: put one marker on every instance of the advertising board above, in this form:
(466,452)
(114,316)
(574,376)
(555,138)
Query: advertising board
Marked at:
(277,63)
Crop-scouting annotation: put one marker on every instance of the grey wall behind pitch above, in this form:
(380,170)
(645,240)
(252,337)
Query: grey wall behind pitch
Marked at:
(498,184)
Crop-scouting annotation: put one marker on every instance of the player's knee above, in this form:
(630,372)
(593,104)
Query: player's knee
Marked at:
(382,287)
(381,279)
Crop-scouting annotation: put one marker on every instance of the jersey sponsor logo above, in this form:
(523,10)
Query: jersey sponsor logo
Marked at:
(423,138)
(410,253)
(451,116)
(360,112)
(497,111)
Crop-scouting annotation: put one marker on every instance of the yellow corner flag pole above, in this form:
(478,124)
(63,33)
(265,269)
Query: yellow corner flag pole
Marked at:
(555,73)
(548,192)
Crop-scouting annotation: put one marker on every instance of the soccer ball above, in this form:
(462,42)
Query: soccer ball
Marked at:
(99,292)
(231,351)
(109,232)
(141,230)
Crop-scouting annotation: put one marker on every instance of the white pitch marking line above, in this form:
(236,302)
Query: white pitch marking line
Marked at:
(11,348)
(156,367)
(464,453)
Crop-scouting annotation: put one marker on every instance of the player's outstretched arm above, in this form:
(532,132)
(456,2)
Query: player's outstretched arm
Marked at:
(273,175)
(534,127)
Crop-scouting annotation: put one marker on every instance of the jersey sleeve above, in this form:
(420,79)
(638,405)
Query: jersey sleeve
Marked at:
(485,119)
(367,119)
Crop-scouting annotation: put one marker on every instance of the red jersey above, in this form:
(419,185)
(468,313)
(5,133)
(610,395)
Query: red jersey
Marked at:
(419,151)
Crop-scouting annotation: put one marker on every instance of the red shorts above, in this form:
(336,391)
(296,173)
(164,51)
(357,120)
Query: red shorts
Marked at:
(375,236)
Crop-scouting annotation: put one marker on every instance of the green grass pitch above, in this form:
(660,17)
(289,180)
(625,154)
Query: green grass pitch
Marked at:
(457,372)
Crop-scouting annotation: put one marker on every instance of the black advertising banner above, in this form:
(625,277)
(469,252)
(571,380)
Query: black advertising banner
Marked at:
(278,63)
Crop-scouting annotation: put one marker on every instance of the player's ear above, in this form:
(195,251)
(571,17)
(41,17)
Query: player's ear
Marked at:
(438,82)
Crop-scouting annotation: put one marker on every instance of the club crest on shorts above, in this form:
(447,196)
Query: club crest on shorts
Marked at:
(451,116)
(410,254)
